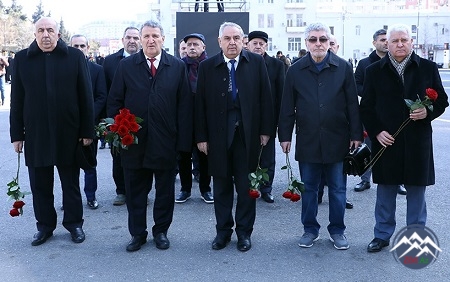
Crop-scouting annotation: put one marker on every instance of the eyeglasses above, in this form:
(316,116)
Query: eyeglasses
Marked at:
(332,43)
(320,39)
(79,45)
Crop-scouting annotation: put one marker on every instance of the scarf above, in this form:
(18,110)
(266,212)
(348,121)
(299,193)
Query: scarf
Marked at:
(192,65)
(400,66)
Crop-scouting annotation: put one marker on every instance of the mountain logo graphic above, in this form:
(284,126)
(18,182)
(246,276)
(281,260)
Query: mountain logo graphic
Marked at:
(415,246)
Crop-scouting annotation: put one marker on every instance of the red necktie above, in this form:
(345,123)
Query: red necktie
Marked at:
(152,66)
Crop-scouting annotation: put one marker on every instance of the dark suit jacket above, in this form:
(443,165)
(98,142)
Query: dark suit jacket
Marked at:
(410,159)
(211,107)
(164,103)
(323,106)
(99,89)
(275,69)
(361,70)
(110,65)
(51,104)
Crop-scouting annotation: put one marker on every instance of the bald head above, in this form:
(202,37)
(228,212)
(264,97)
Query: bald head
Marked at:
(334,46)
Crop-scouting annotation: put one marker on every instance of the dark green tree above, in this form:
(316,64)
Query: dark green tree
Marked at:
(65,34)
(39,13)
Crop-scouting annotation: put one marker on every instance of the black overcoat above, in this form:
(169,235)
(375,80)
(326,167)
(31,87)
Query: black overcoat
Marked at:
(276,72)
(51,104)
(324,108)
(164,103)
(211,107)
(410,159)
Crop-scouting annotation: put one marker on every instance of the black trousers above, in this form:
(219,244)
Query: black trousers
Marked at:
(185,171)
(117,171)
(138,183)
(268,161)
(237,170)
(42,182)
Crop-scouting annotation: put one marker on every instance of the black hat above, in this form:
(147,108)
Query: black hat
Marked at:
(194,35)
(85,156)
(258,34)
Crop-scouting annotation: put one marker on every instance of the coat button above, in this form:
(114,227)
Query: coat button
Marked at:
(223,94)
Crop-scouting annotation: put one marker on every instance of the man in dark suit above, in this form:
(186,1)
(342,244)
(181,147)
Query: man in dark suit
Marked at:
(408,158)
(234,118)
(153,85)
(320,99)
(99,90)
(131,45)
(50,121)
(257,44)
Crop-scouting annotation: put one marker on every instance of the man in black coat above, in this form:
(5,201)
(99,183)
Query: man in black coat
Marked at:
(52,109)
(408,157)
(153,85)
(257,44)
(233,119)
(131,45)
(99,90)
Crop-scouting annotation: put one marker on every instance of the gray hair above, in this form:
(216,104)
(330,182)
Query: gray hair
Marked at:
(227,24)
(317,27)
(79,35)
(153,24)
(128,28)
(398,27)
(49,18)
(378,33)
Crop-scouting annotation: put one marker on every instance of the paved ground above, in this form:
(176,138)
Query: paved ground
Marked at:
(275,255)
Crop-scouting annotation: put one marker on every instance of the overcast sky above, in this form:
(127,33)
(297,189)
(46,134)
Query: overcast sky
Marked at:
(75,13)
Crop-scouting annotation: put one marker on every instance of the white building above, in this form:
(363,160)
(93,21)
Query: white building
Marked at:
(353,22)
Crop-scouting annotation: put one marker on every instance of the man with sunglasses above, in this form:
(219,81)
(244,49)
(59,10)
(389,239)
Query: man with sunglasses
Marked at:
(323,105)
(99,90)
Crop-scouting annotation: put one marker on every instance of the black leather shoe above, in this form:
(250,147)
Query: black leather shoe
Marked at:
(244,243)
(361,186)
(136,243)
(267,197)
(401,190)
(220,242)
(377,245)
(40,238)
(161,241)
(348,205)
(77,235)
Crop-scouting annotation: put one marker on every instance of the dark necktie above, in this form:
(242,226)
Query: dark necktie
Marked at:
(152,66)
(233,79)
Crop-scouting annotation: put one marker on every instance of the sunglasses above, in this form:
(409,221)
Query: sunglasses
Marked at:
(79,46)
(320,39)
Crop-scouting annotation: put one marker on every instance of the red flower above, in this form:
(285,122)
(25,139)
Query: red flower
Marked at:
(432,94)
(18,204)
(14,212)
(287,194)
(118,119)
(125,123)
(253,193)
(127,140)
(295,197)
(365,135)
(122,131)
(114,127)
(134,127)
(131,118)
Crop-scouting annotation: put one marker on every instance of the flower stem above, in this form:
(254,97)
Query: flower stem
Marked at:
(18,167)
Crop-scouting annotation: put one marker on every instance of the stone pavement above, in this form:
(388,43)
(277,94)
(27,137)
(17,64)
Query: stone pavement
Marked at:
(274,256)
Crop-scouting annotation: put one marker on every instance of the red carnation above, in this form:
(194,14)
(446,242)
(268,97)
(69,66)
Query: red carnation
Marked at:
(295,197)
(253,193)
(122,131)
(14,212)
(18,204)
(127,140)
(432,94)
(287,194)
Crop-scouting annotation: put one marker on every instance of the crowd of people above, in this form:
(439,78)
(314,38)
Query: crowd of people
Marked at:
(243,99)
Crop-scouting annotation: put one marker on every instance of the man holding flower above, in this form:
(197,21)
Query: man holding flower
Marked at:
(408,157)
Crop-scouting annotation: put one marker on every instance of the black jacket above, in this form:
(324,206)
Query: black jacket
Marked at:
(361,70)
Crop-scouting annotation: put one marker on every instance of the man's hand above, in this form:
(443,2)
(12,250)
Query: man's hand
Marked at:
(264,139)
(203,147)
(385,138)
(86,141)
(286,146)
(419,113)
(354,144)
(18,146)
